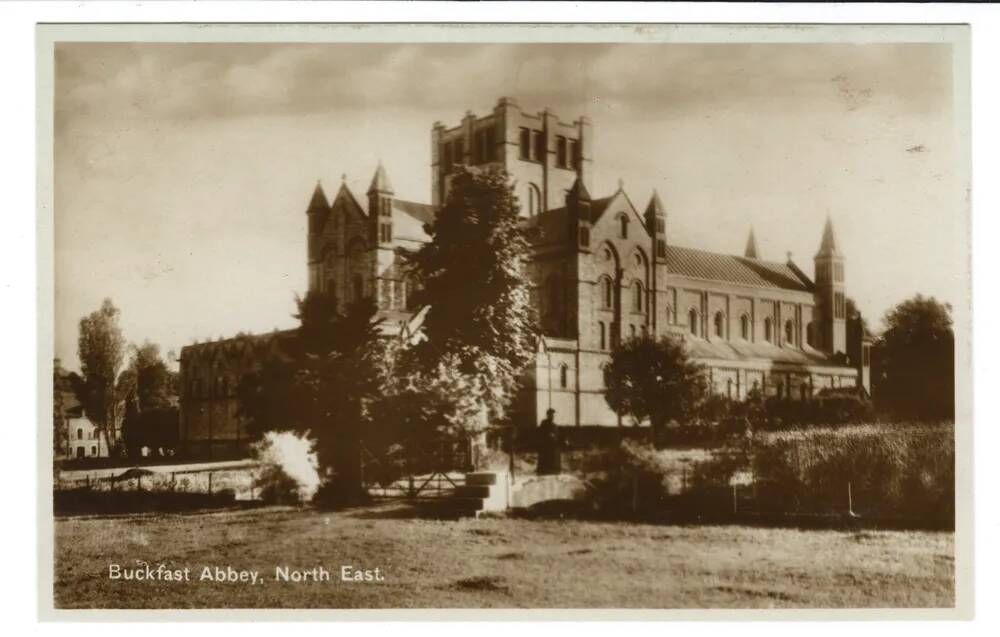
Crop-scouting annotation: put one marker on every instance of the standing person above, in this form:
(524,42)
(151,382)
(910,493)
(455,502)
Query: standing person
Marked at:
(549,458)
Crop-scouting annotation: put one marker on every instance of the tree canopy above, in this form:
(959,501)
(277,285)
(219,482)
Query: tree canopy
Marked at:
(473,278)
(324,384)
(654,380)
(101,348)
(913,361)
(147,386)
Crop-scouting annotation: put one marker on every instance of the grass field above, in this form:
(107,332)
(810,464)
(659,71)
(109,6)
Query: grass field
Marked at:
(495,563)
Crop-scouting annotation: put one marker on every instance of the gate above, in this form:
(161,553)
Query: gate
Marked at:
(416,468)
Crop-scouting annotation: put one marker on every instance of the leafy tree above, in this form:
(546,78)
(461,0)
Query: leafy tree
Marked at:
(854,314)
(146,386)
(914,361)
(655,380)
(147,380)
(480,323)
(101,348)
(325,384)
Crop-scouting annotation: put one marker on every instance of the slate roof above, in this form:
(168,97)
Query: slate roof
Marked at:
(744,351)
(422,212)
(712,266)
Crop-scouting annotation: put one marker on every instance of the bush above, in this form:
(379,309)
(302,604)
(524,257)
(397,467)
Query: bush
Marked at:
(628,480)
(904,472)
(277,487)
(722,418)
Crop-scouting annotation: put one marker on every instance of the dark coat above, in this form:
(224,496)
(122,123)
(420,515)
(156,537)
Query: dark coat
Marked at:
(549,456)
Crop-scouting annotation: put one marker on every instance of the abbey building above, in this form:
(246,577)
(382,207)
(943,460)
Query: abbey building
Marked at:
(602,270)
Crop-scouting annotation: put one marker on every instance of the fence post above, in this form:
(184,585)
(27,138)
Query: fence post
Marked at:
(735,501)
(850,500)
(209,483)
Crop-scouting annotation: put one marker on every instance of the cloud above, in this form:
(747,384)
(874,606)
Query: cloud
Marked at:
(182,81)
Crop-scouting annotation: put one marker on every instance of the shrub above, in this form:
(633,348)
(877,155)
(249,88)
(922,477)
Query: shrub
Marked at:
(629,479)
(904,472)
(288,473)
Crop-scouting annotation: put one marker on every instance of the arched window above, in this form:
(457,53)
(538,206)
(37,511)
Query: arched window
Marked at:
(645,331)
(693,321)
(359,287)
(603,334)
(637,297)
(534,200)
(623,226)
(720,325)
(607,293)
(563,376)
(79,434)
(790,332)
(811,334)
(745,327)
(631,331)
(768,330)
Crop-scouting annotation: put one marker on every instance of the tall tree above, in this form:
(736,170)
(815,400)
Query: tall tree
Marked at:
(325,384)
(147,386)
(473,278)
(147,380)
(101,348)
(914,361)
(654,380)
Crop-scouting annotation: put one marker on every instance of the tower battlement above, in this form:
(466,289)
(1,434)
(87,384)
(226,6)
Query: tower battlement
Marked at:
(542,153)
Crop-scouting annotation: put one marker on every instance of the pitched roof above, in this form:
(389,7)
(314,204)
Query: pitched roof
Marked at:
(422,212)
(380,181)
(744,351)
(655,206)
(700,264)
(829,243)
(751,251)
(578,191)
(318,202)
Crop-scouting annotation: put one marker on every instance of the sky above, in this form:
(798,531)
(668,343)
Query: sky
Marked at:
(183,171)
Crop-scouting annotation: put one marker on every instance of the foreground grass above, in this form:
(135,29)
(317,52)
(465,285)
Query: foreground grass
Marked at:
(499,563)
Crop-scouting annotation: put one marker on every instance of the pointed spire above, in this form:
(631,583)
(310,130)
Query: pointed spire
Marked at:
(828,246)
(655,206)
(578,192)
(318,203)
(751,251)
(380,182)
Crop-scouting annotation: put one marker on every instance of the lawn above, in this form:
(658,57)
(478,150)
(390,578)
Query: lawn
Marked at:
(494,563)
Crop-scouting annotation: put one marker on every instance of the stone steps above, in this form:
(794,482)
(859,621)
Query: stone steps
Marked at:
(483,491)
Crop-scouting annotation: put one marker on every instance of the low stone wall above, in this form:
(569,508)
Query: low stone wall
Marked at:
(527,492)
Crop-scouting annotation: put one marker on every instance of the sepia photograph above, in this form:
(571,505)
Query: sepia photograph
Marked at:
(670,317)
